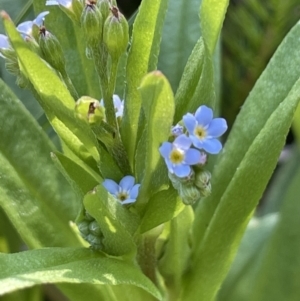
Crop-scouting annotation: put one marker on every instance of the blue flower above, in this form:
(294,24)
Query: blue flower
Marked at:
(4,44)
(179,156)
(177,130)
(203,129)
(126,192)
(65,3)
(25,28)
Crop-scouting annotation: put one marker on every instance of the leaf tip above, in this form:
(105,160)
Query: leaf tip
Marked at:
(4,15)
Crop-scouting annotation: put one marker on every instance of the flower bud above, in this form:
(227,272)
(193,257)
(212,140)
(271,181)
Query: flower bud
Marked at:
(94,228)
(189,194)
(51,49)
(202,181)
(115,33)
(104,7)
(92,21)
(89,109)
(83,228)
(95,241)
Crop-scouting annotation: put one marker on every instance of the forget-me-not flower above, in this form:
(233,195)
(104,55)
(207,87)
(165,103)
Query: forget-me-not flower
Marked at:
(65,3)
(4,44)
(126,192)
(179,156)
(25,28)
(203,129)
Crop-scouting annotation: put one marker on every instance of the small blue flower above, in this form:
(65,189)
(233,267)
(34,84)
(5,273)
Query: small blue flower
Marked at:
(203,129)
(179,156)
(118,105)
(4,44)
(65,3)
(126,192)
(177,130)
(25,28)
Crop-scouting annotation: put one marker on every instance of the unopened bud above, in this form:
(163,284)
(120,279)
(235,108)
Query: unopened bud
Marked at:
(202,181)
(83,228)
(95,228)
(51,49)
(189,194)
(104,7)
(89,109)
(115,33)
(92,21)
(95,241)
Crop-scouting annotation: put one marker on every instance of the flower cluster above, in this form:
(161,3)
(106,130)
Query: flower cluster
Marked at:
(196,137)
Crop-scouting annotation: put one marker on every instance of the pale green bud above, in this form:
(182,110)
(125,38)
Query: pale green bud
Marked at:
(115,33)
(51,49)
(95,241)
(89,109)
(189,194)
(202,181)
(83,228)
(104,7)
(92,21)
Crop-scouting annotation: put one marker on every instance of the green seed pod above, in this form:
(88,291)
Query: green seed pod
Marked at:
(83,228)
(92,22)
(89,109)
(189,194)
(95,229)
(115,33)
(51,50)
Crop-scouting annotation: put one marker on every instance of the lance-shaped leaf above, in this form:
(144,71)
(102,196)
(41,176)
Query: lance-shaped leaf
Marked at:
(57,104)
(161,208)
(216,251)
(33,192)
(68,265)
(279,273)
(142,58)
(212,14)
(158,109)
(180,33)
(81,177)
(117,223)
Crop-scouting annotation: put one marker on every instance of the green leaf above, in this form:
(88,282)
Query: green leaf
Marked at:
(212,14)
(281,257)
(80,69)
(161,208)
(59,108)
(158,109)
(176,254)
(236,184)
(81,178)
(142,58)
(33,192)
(296,126)
(117,223)
(68,265)
(237,284)
(180,33)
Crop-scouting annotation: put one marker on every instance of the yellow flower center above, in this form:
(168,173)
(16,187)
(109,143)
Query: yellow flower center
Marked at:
(122,196)
(176,156)
(200,132)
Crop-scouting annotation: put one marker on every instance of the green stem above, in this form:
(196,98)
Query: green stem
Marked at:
(69,84)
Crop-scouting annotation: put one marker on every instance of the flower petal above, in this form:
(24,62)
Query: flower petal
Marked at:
(111,186)
(128,201)
(134,191)
(204,115)
(212,146)
(217,127)
(182,142)
(190,122)
(169,165)
(192,156)
(25,27)
(4,44)
(182,171)
(39,20)
(127,183)
(165,149)
(197,142)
